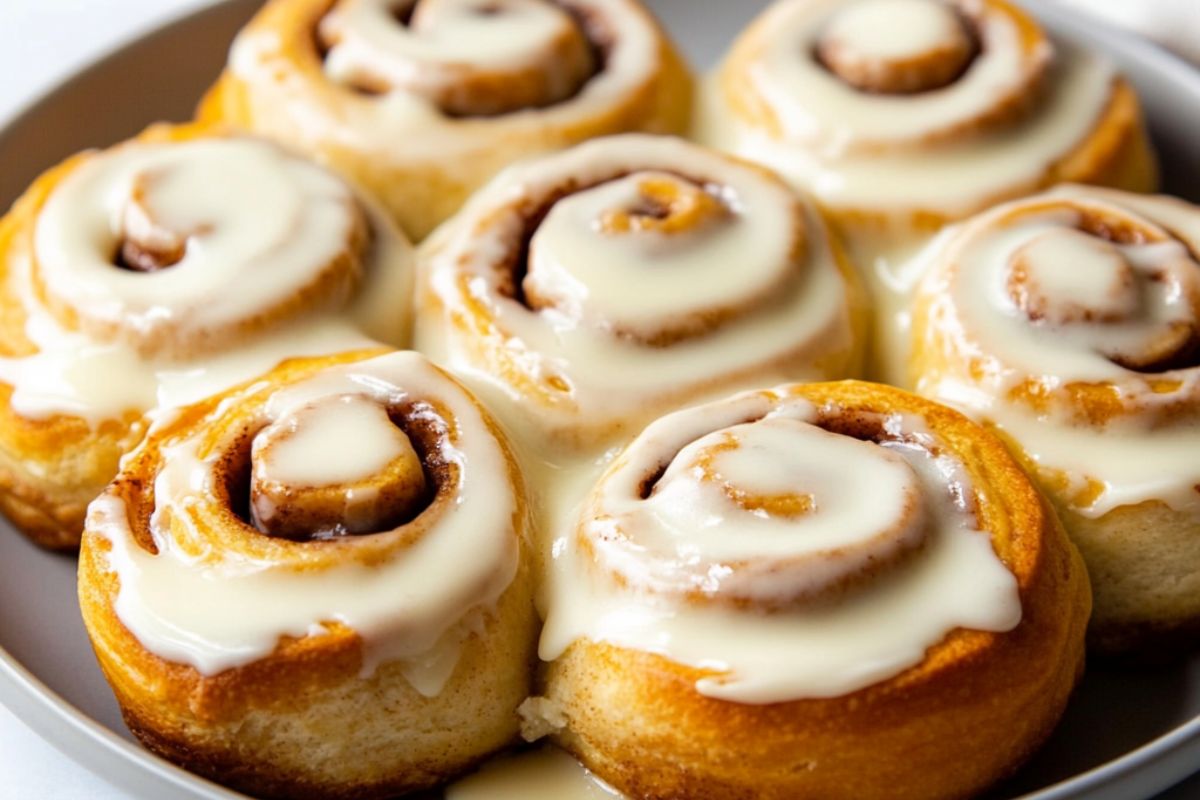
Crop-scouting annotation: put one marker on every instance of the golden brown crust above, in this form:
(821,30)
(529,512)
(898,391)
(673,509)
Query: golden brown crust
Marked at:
(965,717)
(1142,554)
(470,304)
(50,468)
(421,190)
(1116,150)
(1117,153)
(303,721)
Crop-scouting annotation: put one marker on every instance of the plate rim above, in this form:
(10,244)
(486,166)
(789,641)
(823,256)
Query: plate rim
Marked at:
(61,724)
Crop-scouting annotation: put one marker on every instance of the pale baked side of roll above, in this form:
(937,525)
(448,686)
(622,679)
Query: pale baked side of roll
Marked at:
(424,100)
(159,271)
(593,289)
(317,585)
(821,590)
(1070,322)
(901,115)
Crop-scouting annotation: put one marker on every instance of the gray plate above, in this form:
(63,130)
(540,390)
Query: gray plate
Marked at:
(1126,735)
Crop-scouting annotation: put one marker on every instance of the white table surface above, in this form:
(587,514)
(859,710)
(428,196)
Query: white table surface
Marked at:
(44,42)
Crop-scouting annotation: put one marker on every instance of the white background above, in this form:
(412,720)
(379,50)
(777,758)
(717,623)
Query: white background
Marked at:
(44,41)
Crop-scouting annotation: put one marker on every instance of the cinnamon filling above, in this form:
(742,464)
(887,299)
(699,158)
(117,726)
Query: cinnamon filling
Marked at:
(898,46)
(1105,274)
(150,243)
(232,236)
(664,205)
(514,268)
(647,216)
(789,488)
(551,51)
(341,466)
(1031,280)
(786,503)
(137,257)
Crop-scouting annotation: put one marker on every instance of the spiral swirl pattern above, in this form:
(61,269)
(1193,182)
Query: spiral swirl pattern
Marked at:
(948,67)
(304,488)
(145,245)
(466,87)
(1081,301)
(639,262)
(401,515)
(161,271)
(906,114)
(791,531)
(782,540)
(1070,321)
(467,57)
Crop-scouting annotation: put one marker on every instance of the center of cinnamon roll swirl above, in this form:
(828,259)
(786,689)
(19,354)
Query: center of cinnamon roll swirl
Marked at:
(1132,293)
(178,248)
(633,256)
(664,204)
(466,57)
(798,542)
(331,437)
(897,46)
(337,466)
(772,513)
(1047,280)
(851,78)
(153,239)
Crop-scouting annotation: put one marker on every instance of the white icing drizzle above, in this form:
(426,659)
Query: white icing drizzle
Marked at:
(545,773)
(259,56)
(835,117)
(183,383)
(589,270)
(856,150)
(891,29)
(1127,463)
(1085,310)
(189,603)
(456,30)
(335,465)
(936,152)
(223,277)
(761,496)
(532,49)
(860,635)
(1158,287)
(74,376)
(656,310)
(206,197)
(342,440)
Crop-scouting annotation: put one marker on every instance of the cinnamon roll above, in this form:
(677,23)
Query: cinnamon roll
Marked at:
(901,115)
(316,585)
(422,101)
(819,590)
(595,288)
(1070,322)
(159,271)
